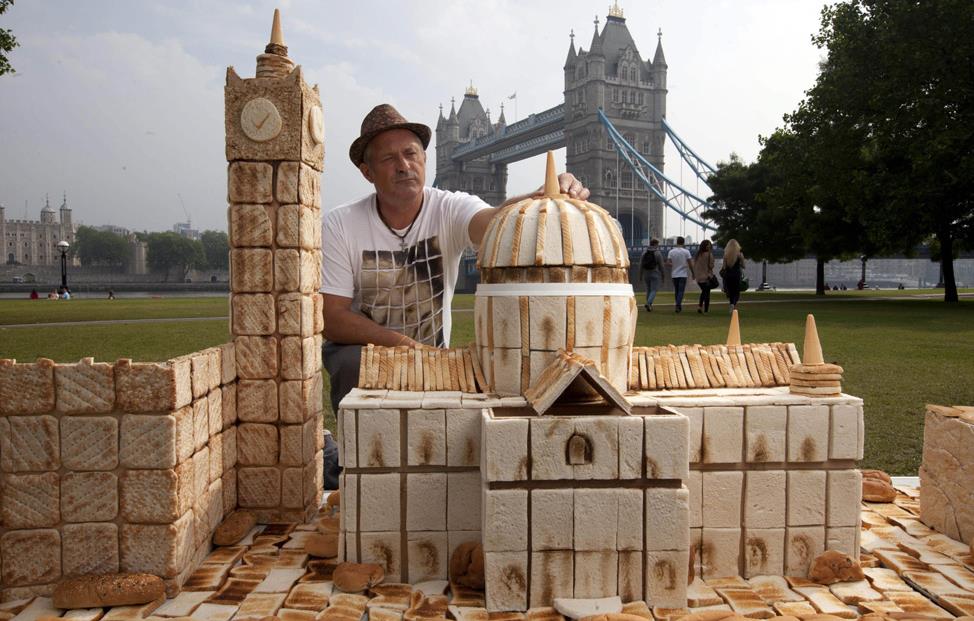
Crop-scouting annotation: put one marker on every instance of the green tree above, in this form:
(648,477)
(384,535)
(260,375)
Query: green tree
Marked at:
(895,98)
(812,187)
(7,41)
(741,212)
(94,247)
(173,254)
(216,248)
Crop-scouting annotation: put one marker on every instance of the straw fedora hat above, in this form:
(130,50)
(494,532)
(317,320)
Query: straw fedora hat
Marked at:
(382,118)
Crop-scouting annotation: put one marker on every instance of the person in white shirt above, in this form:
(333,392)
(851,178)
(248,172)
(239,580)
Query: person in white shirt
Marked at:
(390,260)
(679,261)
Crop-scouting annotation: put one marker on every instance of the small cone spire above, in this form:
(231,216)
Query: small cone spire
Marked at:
(734,332)
(551,187)
(812,352)
(814,377)
(277,45)
(274,63)
(277,35)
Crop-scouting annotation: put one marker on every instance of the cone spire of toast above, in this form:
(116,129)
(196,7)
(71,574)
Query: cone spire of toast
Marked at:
(734,332)
(812,352)
(277,35)
(274,62)
(551,187)
(814,377)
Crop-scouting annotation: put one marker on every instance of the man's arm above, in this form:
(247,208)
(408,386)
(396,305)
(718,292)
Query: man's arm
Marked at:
(345,326)
(568,184)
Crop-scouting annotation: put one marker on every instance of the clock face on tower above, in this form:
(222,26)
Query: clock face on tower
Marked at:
(260,120)
(316,124)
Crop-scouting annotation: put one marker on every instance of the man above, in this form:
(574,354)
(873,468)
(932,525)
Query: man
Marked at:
(391,259)
(678,259)
(651,272)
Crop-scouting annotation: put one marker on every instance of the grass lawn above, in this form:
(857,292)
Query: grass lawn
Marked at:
(897,354)
(49,311)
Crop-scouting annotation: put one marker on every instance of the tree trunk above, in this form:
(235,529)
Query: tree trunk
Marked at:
(819,276)
(947,265)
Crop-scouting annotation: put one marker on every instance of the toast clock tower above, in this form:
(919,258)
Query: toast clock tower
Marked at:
(275,150)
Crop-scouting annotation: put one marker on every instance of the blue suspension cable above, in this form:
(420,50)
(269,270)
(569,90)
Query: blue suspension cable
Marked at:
(660,181)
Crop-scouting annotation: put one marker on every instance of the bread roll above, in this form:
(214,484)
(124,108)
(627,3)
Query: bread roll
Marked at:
(96,591)
(877,490)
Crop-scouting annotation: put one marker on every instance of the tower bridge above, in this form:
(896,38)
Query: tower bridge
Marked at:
(611,124)
(534,135)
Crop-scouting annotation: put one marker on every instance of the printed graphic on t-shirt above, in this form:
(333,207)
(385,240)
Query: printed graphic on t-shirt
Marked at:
(403,290)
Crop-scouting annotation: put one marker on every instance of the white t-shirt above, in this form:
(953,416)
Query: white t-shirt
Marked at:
(679,258)
(407,285)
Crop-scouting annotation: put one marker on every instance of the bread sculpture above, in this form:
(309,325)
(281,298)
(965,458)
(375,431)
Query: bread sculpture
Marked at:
(554,275)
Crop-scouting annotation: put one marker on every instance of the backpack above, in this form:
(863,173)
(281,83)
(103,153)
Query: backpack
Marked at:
(648,262)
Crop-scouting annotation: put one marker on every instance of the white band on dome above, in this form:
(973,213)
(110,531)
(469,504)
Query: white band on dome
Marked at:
(554,288)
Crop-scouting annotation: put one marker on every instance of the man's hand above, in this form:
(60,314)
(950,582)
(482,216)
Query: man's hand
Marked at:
(342,325)
(571,186)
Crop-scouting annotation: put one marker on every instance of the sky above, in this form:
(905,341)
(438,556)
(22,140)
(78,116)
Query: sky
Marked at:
(120,104)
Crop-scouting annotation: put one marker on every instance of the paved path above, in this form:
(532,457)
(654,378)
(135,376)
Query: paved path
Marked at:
(640,299)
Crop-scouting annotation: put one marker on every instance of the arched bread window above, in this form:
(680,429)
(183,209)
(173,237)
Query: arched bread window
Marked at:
(578,450)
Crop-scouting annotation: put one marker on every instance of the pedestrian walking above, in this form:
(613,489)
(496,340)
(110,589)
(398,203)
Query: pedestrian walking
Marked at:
(678,259)
(732,273)
(703,273)
(651,272)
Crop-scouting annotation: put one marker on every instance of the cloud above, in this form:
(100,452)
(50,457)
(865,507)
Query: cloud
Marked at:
(120,123)
(384,48)
(102,86)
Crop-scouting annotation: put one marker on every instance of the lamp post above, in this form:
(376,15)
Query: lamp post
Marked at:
(764,277)
(63,247)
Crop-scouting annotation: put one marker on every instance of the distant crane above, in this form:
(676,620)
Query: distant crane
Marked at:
(189,218)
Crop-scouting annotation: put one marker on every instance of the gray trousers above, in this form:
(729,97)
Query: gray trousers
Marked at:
(342,364)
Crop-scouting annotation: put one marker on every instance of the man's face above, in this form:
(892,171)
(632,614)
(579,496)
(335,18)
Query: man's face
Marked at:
(395,162)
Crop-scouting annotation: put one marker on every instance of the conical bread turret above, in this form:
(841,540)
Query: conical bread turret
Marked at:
(734,332)
(814,377)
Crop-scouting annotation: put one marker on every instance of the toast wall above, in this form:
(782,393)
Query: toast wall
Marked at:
(114,467)
(411,480)
(946,493)
(584,505)
(773,480)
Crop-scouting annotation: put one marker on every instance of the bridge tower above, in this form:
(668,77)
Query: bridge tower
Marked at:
(478,176)
(612,75)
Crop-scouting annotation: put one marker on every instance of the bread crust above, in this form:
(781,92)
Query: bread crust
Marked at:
(96,591)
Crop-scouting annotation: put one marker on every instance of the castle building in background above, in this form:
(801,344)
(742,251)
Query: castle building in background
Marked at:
(632,92)
(472,152)
(479,176)
(33,242)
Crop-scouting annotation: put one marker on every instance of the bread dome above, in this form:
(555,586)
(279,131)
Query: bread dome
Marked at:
(554,275)
(554,232)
